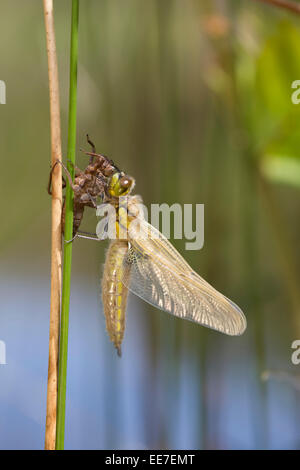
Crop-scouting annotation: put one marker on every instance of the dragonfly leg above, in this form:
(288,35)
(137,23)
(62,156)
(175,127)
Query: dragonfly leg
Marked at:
(67,173)
(87,235)
(72,239)
(92,199)
(91,143)
(50,180)
(93,147)
(76,168)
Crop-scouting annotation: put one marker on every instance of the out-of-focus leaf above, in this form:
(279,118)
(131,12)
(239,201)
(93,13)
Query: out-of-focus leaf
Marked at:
(267,78)
(282,169)
(277,67)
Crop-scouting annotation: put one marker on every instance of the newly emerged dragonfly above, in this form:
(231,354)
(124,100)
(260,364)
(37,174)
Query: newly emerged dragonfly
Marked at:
(143,261)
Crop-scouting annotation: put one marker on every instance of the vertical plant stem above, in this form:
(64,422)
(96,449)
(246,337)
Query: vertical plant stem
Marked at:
(56,252)
(63,347)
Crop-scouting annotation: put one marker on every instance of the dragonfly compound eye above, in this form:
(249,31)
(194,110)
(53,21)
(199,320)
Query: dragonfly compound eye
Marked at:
(120,185)
(126,184)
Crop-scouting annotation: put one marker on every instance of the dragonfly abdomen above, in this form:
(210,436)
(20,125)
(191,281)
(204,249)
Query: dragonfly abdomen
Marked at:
(114,293)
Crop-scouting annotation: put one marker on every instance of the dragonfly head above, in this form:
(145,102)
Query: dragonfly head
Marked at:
(120,184)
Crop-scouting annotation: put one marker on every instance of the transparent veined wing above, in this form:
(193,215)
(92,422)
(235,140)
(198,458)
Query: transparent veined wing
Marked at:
(160,276)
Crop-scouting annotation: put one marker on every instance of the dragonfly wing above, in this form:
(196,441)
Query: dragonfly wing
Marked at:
(161,277)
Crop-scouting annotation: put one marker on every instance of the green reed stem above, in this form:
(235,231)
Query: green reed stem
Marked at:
(64,325)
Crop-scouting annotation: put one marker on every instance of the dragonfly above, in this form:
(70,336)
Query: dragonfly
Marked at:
(140,259)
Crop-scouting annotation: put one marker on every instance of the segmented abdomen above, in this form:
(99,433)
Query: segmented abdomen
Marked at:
(77,217)
(114,293)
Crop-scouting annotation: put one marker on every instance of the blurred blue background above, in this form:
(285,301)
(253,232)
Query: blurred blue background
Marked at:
(194,100)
